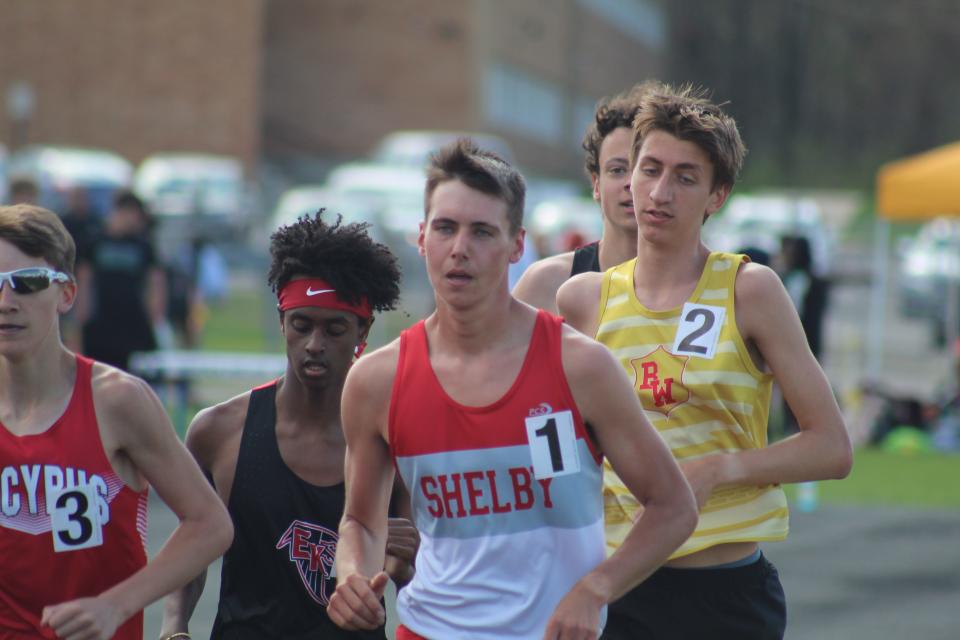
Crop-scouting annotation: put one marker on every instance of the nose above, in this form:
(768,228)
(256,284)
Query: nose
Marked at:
(460,248)
(317,342)
(7,296)
(661,191)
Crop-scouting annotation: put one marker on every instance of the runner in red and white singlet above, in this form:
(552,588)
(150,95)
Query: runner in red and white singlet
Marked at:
(484,407)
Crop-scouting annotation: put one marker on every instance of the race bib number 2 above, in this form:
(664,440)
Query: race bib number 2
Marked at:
(75,519)
(553,444)
(698,331)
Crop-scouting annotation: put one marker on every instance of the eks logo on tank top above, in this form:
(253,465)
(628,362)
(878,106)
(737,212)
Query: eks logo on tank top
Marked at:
(313,549)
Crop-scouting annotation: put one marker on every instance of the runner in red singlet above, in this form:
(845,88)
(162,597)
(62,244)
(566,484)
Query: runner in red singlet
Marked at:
(484,408)
(80,442)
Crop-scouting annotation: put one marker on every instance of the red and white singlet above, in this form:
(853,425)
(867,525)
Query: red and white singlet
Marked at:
(69,526)
(507,497)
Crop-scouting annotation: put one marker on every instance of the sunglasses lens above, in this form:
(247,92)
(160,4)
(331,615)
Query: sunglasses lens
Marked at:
(30,282)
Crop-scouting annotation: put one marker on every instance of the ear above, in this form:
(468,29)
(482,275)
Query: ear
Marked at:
(595,181)
(420,238)
(716,199)
(68,296)
(518,246)
(361,345)
(365,330)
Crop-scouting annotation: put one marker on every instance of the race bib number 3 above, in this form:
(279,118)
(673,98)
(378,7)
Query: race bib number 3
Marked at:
(698,330)
(553,444)
(75,519)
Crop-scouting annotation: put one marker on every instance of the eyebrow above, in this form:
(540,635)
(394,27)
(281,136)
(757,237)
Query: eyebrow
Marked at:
(687,166)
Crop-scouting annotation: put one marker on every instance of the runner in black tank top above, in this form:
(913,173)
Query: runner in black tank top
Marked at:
(607,163)
(275,454)
(586,258)
(275,581)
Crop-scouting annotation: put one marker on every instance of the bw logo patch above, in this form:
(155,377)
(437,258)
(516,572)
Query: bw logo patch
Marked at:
(313,549)
(659,380)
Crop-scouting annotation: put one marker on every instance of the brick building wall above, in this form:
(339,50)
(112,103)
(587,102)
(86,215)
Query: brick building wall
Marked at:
(136,76)
(317,80)
(340,74)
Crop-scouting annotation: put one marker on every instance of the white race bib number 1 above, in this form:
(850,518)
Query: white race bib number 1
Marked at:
(698,330)
(553,444)
(75,519)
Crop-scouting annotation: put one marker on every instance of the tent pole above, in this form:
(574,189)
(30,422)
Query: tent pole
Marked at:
(878,297)
(952,318)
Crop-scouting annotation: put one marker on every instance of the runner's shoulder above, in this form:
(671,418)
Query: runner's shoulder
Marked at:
(118,394)
(583,355)
(548,272)
(374,372)
(216,424)
(756,284)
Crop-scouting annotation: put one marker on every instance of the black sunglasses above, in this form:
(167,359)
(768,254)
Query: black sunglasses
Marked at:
(32,279)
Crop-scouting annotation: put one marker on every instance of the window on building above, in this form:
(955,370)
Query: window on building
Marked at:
(523,103)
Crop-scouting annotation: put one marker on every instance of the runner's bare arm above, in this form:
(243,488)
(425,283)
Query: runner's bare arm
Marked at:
(368,477)
(539,283)
(132,417)
(821,450)
(403,539)
(578,301)
(207,440)
(644,463)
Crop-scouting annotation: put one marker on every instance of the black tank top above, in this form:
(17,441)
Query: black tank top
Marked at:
(586,258)
(276,577)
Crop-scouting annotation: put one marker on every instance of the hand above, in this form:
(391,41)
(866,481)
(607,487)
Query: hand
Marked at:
(703,475)
(83,619)
(356,604)
(403,539)
(577,617)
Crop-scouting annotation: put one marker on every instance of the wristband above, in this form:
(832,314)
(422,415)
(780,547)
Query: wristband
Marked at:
(174,636)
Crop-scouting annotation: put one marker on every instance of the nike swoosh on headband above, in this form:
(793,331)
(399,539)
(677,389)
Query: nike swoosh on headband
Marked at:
(311,292)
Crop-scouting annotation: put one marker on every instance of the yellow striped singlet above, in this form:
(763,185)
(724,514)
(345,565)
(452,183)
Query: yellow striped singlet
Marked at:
(703,393)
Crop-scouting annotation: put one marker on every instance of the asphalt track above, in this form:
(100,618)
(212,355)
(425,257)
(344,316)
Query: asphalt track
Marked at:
(850,573)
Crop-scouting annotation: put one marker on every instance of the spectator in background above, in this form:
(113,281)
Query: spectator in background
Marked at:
(808,291)
(84,227)
(126,286)
(80,220)
(197,277)
(23,191)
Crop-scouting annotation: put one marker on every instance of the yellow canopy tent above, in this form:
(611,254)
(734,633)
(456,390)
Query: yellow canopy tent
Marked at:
(920,187)
(912,189)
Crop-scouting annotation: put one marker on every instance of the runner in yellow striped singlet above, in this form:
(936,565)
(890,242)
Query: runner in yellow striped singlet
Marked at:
(703,393)
(703,336)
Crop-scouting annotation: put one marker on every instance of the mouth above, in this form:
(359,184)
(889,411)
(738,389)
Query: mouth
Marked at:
(458,277)
(10,328)
(657,214)
(314,368)
(627,206)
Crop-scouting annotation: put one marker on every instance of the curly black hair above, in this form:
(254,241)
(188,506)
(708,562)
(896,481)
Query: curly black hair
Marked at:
(342,254)
(613,112)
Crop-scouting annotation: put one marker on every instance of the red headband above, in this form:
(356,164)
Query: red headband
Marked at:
(314,292)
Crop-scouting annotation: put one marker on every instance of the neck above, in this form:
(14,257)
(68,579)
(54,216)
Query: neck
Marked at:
(662,268)
(313,408)
(616,247)
(30,382)
(473,329)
